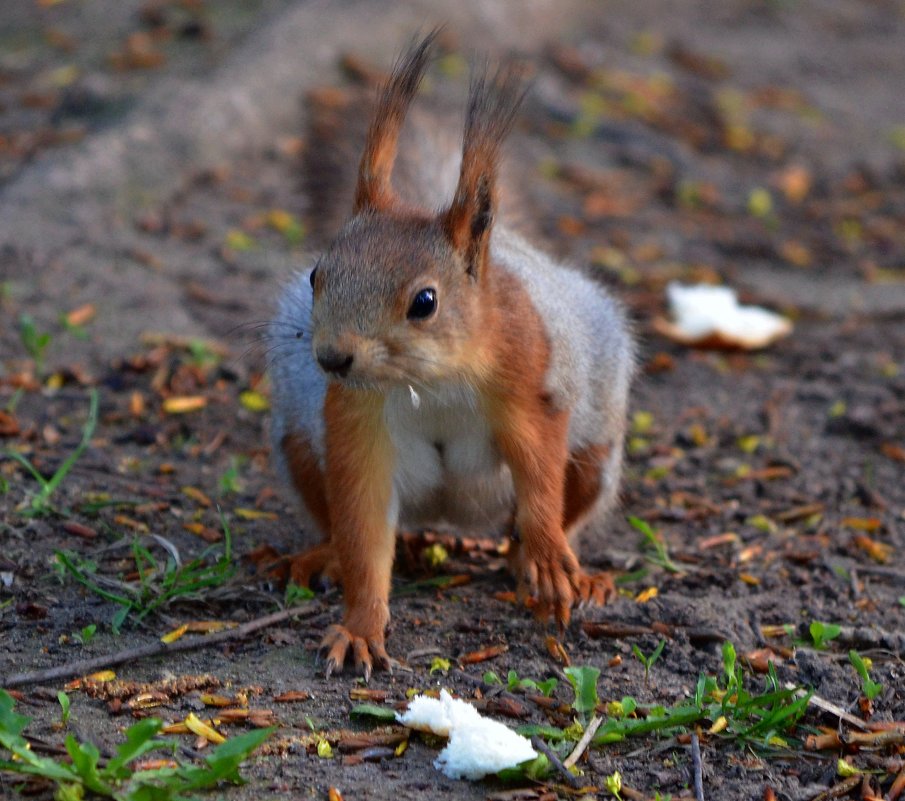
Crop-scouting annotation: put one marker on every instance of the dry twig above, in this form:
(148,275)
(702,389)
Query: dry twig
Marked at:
(698,768)
(555,761)
(584,742)
(84,666)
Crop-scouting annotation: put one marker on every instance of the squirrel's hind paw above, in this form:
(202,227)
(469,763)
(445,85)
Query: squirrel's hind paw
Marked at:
(303,567)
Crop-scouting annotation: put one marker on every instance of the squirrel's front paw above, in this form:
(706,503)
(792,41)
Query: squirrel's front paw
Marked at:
(553,577)
(367,652)
(596,588)
(302,567)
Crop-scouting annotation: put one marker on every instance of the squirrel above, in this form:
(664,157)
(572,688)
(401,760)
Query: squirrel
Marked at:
(436,369)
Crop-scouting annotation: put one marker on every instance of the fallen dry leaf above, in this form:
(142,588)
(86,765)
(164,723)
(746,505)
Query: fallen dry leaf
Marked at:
(292,697)
(876,550)
(483,654)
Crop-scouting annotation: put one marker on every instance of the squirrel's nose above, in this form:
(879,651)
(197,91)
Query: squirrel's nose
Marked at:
(334,361)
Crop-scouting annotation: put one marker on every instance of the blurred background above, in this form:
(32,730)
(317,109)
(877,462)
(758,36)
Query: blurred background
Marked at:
(754,140)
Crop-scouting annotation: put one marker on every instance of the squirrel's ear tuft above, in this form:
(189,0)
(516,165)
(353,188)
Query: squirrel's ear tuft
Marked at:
(492,106)
(374,189)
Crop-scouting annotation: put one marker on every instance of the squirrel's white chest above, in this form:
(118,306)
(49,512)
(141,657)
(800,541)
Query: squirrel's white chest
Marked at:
(447,468)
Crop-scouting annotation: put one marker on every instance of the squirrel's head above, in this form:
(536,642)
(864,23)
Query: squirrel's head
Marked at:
(398,294)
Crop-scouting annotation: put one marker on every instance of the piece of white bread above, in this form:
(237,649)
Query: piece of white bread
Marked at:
(711,317)
(477,745)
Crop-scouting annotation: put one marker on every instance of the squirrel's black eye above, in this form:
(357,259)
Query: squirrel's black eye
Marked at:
(311,277)
(424,305)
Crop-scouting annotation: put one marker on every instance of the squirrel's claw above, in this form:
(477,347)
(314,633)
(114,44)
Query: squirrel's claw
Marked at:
(596,588)
(367,652)
(559,585)
(556,583)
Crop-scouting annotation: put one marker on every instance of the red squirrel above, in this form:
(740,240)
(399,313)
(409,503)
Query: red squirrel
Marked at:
(444,372)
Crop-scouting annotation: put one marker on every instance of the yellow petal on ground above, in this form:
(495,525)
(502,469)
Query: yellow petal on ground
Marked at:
(202,729)
(845,769)
(239,240)
(254,401)
(435,555)
(645,595)
(102,675)
(718,725)
(287,224)
(752,581)
(182,404)
(254,514)
(175,634)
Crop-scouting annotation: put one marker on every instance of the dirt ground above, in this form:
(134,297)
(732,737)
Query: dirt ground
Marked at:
(150,200)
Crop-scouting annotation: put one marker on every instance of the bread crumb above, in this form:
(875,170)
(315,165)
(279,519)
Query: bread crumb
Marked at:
(710,316)
(477,745)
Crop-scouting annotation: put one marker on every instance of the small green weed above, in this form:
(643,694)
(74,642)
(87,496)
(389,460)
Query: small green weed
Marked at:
(40,503)
(381,714)
(822,633)
(761,720)
(516,684)
(584,683)
(295,594)
(870,688)
(78,331)
(648,661)
(231,481)
(14,399)
(613,784)
(65,707)
(35,342)
(116,777)
(658,553)
(201,354)
(86,635)
(159,584)
(440,665)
